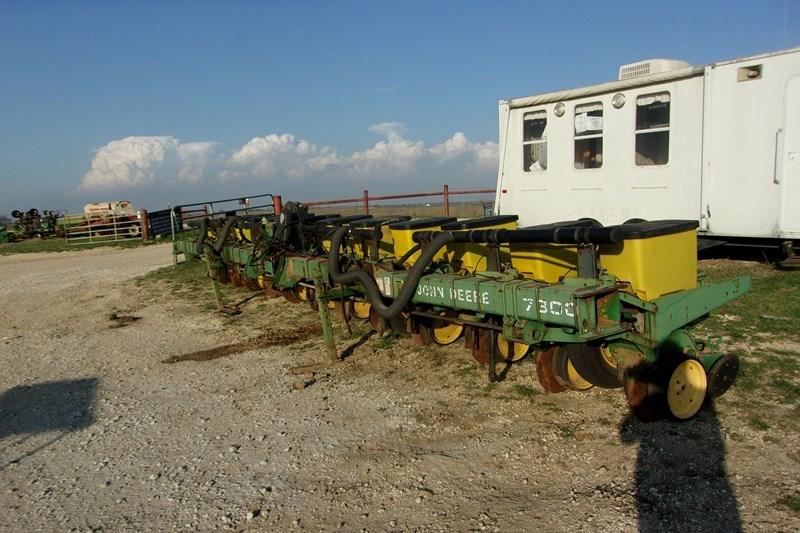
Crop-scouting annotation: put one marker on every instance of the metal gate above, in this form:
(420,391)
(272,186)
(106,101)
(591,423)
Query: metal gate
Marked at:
(79,230)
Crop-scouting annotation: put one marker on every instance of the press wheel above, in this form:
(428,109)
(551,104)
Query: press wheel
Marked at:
(596,365)
(444,333)
(290,296)
(565,372)
(303,293)
(510,350)
(359,309)
(686,390)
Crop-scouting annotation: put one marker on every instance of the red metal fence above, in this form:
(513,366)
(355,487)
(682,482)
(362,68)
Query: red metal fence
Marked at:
(365,198)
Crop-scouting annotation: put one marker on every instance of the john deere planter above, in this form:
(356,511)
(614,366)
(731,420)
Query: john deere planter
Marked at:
(595,306)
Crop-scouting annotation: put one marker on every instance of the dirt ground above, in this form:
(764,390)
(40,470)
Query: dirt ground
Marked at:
(132,424)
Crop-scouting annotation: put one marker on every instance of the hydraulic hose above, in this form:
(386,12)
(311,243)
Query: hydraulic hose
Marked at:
(198,246)
(223,233)
(562,235)
(371,290)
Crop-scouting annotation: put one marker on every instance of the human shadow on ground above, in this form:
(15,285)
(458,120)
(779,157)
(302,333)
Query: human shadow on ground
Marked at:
(29,410)
(681,479)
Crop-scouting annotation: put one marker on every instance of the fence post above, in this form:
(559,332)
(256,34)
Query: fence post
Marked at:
(366,202)
(446,195)
(277,204)
(145,224)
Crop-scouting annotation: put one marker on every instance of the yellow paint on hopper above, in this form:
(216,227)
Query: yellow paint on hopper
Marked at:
(656,265)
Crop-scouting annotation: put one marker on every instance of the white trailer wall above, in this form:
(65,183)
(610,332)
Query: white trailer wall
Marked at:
(619,189)
(746,128)
(733,160)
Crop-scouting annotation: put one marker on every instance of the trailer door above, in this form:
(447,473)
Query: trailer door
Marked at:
(789,164)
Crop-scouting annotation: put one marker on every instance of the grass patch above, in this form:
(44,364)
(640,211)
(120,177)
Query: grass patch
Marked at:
(758,423)
(525,391)
(189,280)
(791,502)
(765,320)
(56,244)
(773,293)
(386,342)
(488,388)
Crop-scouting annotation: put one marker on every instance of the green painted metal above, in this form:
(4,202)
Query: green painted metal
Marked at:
(325,318)
(575,310)
(676,310)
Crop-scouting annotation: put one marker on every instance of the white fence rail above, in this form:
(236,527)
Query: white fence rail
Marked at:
(78,230)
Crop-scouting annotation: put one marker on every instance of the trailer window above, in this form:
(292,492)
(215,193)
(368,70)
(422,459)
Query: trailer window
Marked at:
(589,135)
(652,129)
(534,141)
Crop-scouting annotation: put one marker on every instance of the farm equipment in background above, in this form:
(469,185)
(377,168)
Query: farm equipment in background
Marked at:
(101,222)
(33,224)
(596,306)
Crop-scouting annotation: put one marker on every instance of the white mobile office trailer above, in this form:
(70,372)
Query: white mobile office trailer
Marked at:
(718,143)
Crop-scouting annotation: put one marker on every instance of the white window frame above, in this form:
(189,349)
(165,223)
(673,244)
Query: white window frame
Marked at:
(587,107)
(534,115)
(659,129)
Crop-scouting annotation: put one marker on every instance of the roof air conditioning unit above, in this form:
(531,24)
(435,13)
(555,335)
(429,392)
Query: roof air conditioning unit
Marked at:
(651,66)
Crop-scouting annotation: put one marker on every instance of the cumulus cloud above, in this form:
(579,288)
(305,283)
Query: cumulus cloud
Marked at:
(396,155)
(275,156)
(142,161)
(480,156)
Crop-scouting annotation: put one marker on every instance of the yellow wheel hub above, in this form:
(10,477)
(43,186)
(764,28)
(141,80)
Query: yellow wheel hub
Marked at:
(575,379)
(516,352)
(302,293)
(361,310)
(687,389)
(446,333)
(605,351)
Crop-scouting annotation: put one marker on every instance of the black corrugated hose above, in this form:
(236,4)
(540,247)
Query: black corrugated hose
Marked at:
(198,246)
(371,290)
(223,234)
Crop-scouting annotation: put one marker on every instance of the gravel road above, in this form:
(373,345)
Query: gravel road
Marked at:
(162,422)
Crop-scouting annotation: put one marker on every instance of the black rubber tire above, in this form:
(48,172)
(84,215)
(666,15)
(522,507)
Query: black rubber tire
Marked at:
(591,365)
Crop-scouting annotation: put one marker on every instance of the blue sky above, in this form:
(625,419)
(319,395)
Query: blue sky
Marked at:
(173,102)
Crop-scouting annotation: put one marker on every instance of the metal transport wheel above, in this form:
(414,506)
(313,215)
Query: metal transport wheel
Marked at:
(510,350)
(544,371)
(596,365)
(686,389)
(565,372)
